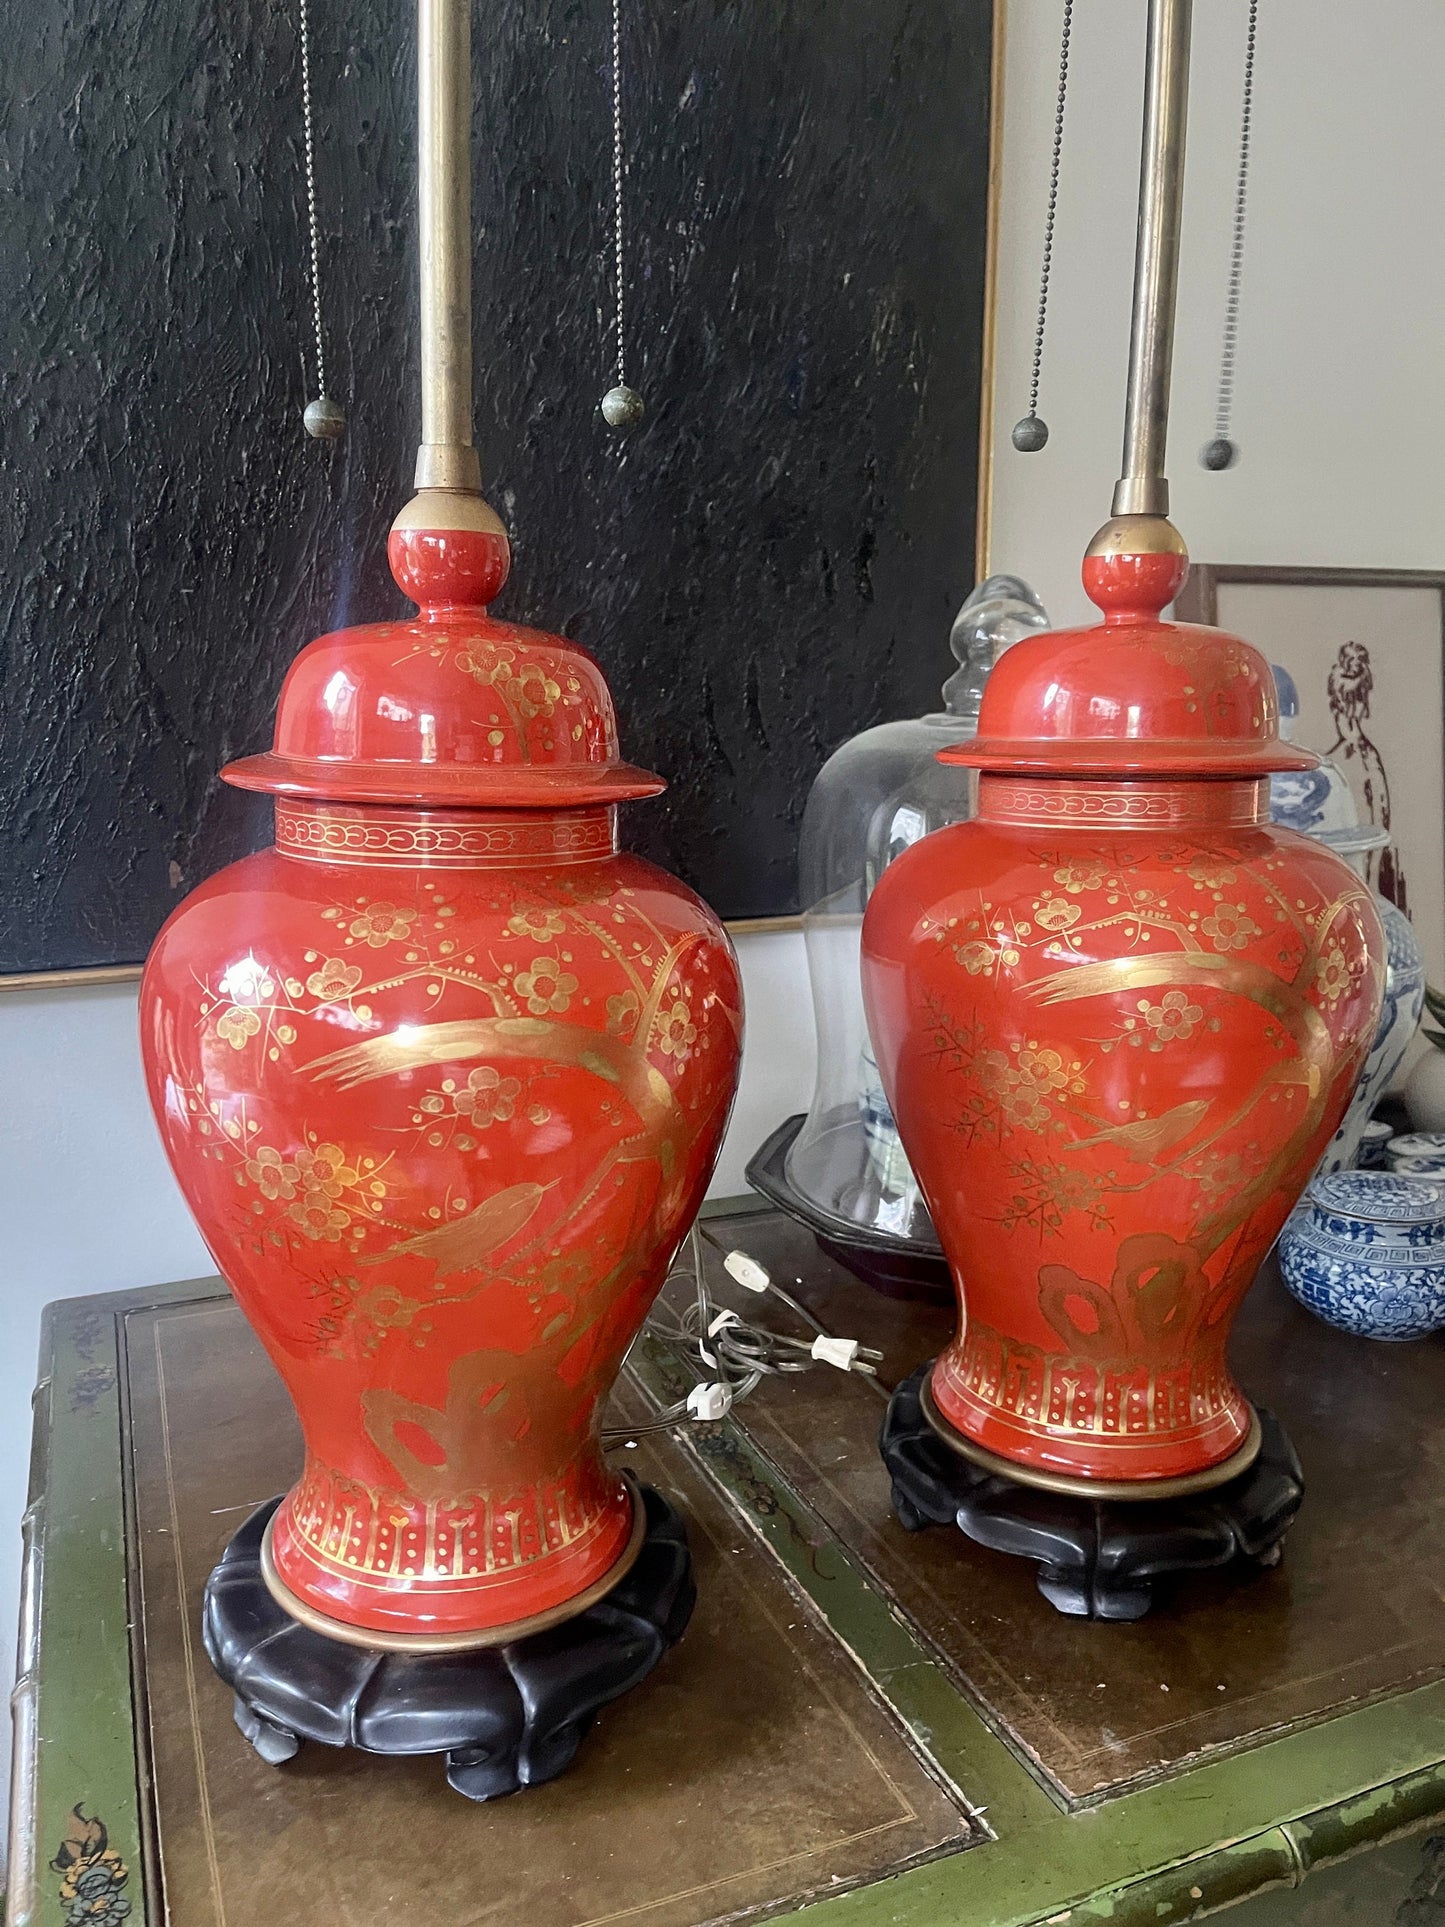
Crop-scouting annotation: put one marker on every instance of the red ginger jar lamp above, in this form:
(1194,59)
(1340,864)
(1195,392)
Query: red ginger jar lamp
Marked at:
(443,1075)
(1118,1017)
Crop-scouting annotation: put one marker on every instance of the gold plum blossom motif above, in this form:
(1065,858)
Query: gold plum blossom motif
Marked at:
(1047,1193)
(486,1098)
(357,1317)
(530,690)
(1210,873)
(1231,928)
(1333,976)
(333,978)
(676,1032)
(326,1195)
(1081,874)
(1020,1084)
(546,986)
(997,951)
(1054,914)
(1219,1174)
(1044,1069)
(1017,1100)
(324,1176)
(1174,1016)
(623,1011)
(237,1024)
(378,924)
(542,926)
(273,1175)
(1005,1087)
(527,691)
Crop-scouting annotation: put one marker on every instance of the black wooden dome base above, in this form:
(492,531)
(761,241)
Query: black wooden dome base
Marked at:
(506,1717)
(896,1267)
(1098,1558)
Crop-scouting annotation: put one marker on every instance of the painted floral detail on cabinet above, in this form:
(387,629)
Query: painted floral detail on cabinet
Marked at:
(93,1876)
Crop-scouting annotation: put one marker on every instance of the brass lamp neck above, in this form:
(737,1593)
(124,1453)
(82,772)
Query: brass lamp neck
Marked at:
(446,458)
(1142,489)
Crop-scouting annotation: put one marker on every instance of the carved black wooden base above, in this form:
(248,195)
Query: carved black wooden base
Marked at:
(1098,1559)
(505,1716)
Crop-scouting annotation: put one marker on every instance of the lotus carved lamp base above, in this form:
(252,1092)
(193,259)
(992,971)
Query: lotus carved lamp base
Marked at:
(1099,1558)
(505,1716)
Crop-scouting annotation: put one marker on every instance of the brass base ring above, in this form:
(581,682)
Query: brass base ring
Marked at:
(1081,1488)
(456,1642)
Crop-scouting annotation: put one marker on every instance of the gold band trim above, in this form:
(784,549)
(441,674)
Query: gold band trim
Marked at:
(1082,1488)
(440,839)
(456,1642)
(1071,800)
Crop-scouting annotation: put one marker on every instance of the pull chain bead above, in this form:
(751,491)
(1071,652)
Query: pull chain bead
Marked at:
(1031,432)
(1221,451)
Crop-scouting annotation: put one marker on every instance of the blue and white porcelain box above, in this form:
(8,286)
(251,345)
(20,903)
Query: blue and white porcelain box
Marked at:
(1365,1251)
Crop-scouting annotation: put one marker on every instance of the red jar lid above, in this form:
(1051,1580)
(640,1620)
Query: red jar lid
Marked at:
(453,707)
(1133,695)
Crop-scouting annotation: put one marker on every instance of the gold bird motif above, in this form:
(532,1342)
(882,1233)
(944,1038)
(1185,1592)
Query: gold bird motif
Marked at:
(1146,1137)
(466,1244)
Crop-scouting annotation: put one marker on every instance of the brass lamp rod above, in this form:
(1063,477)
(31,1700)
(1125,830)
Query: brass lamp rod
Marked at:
(1142,489)
(446,458)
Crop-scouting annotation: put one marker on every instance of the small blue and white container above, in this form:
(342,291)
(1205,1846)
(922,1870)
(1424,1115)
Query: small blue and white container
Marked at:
(1417,1153)
(1365,1251)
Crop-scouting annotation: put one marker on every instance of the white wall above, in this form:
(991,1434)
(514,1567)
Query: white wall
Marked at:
(1340,402)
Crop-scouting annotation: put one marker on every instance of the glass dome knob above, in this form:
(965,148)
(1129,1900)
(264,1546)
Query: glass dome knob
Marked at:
(1001,610)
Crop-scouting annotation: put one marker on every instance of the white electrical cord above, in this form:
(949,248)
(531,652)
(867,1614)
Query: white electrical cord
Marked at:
(737,1353)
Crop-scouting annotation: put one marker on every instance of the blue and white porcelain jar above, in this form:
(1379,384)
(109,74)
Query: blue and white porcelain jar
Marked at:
(1320,803)
(1365,1251)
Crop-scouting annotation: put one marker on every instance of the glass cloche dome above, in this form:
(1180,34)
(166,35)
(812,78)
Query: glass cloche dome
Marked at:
(841,1169)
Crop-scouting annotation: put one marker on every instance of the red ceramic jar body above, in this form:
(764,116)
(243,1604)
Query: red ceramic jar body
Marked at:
(444,1093)
(443,1077)
(1118,1018)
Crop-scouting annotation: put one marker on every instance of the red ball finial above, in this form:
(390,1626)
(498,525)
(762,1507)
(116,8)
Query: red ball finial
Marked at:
(448,550)
(1134,566)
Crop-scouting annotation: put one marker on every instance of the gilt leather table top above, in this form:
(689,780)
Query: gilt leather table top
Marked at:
(1355,1610)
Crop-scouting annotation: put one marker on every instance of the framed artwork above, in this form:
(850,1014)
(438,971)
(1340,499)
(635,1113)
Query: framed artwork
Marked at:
(1366,648)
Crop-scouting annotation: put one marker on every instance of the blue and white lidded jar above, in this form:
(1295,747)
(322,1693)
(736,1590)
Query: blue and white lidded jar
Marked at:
(1365,1251)
(1319,803)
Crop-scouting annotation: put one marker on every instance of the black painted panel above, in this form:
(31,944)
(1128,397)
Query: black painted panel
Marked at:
(770,563)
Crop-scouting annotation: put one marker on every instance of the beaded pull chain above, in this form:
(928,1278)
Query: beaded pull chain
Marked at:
(622,407)
(323,419)
(1222,451)
(1030,433)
